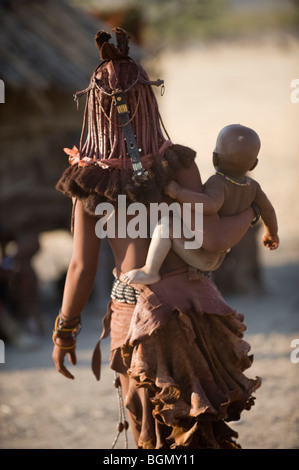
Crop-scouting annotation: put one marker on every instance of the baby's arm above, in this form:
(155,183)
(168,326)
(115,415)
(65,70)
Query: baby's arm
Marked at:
(212,198)
(268,215)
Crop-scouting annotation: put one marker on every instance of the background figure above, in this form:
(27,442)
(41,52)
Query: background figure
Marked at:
(241,271)
(20,320)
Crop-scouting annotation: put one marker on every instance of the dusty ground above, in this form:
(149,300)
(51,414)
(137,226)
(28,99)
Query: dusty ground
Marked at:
(206,88)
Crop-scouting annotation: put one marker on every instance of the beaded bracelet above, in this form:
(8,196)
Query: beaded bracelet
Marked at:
(257,214)
(59,330)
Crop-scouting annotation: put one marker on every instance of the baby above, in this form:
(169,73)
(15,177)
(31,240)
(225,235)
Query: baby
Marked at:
(227,192)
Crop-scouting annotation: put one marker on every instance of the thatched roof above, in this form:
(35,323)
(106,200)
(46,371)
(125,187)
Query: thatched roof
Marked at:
(47,50)
(46,44)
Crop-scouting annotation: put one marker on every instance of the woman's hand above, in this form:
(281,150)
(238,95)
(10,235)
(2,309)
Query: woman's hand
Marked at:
(58,356)
(171,189)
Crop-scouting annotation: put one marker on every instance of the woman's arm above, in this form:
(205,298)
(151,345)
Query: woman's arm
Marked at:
(79,280)
(83,266)
(220,234)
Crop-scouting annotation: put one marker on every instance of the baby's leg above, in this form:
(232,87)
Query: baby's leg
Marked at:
(198,257)
(159,247)
(189,249)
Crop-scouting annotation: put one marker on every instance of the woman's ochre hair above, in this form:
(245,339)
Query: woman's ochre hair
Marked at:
(100,169)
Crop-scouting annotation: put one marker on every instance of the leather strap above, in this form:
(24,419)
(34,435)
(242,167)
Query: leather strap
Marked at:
(97,355)
(124,117)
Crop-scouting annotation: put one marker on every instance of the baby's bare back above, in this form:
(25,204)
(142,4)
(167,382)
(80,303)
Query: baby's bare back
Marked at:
(237,197)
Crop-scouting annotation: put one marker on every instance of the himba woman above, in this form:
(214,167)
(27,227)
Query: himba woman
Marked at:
(177,346)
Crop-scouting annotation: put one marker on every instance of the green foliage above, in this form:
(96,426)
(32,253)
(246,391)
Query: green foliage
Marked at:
(174,22)
(177,20)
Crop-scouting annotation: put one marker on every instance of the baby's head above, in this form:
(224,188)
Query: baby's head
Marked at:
(236,151)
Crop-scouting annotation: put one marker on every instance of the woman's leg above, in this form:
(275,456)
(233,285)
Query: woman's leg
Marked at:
(135,426)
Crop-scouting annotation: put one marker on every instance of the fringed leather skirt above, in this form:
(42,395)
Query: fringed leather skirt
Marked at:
(181,347)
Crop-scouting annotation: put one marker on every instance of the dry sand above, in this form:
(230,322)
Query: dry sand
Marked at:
(207,87)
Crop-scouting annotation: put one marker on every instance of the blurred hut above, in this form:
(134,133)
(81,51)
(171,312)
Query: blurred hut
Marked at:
(47,54)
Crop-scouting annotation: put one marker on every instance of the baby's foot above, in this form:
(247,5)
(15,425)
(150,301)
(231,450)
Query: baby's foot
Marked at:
(141,276)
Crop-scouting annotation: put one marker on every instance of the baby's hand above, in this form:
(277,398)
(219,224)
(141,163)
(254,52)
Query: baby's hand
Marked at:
(171,189)
(270,241)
